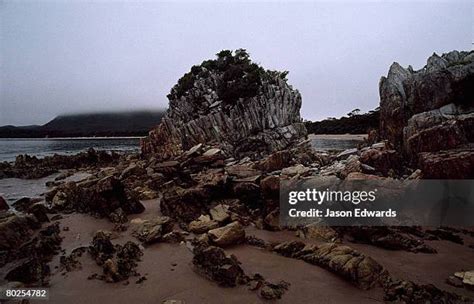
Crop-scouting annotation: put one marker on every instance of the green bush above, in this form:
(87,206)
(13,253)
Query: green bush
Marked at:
(240,78)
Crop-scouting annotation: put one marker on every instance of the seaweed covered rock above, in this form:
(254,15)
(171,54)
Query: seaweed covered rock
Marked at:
(31,167)
(35,255)
(15,229)
(106,197)
(152,230)
(118,262)
(232,102)
(213,263)
(409,292)
(354,266)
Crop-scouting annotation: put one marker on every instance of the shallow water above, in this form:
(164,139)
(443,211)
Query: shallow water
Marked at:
(11,147)
(12,189)
(334,144)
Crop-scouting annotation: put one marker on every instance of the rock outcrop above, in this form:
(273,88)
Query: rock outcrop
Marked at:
(431,110)
(104,197)
(232,102)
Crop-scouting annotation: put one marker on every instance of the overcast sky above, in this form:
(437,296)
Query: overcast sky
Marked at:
(74,56)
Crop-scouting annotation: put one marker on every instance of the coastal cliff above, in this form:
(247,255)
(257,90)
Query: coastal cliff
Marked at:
(429,114)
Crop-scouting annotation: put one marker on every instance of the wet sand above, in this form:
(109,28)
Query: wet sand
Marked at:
(309,283)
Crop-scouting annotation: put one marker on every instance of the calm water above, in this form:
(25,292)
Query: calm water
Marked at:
(11,147)
(334,144)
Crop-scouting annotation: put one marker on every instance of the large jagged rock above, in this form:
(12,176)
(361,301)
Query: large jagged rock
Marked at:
(404,92)
(232,102)
(429,114)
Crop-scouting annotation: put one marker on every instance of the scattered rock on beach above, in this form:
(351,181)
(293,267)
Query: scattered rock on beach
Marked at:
(409,292)
(203,224)
(38,252)
(230,234)
(213,263)
(103,197)
(152,230)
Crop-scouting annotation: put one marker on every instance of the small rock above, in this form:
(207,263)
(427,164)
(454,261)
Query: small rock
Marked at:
(220,213)
(202,224)
(231,234)
(346,153)
(150,231)
(295,170)
(273,291)
(454,281)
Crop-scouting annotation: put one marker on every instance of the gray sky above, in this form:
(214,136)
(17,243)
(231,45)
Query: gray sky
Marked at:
(69,56)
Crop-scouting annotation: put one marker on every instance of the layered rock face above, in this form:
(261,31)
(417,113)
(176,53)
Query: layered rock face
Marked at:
(432,110)
(232,103)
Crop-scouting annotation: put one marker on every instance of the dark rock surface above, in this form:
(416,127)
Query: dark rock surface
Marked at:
(118,262)
(429,114)
(409,292)
(34,270)
(31,167)
(354,266)
(404,92)
(104,197)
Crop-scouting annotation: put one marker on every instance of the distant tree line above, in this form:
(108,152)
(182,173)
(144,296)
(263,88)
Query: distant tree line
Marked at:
(353,123)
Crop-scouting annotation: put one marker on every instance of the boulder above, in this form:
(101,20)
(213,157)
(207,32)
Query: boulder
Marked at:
(450,164)
(451,126)
(273,291)
(346,153)
(295,170)
(132,169)
(381,160)
(230,234)
(272,220)
(349,263)
(275,161)
(248,193)
(102,197)
(117,261)
(152,230)
(352,165)
(467,277)
(213,263)
(203,224)
(36,254)
(24,203)
(15,229)
(409,292)
(270,186)
(220,213)
(185,204)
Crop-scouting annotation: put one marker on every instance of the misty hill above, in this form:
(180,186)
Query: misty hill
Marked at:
(353,123)
(91,124)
